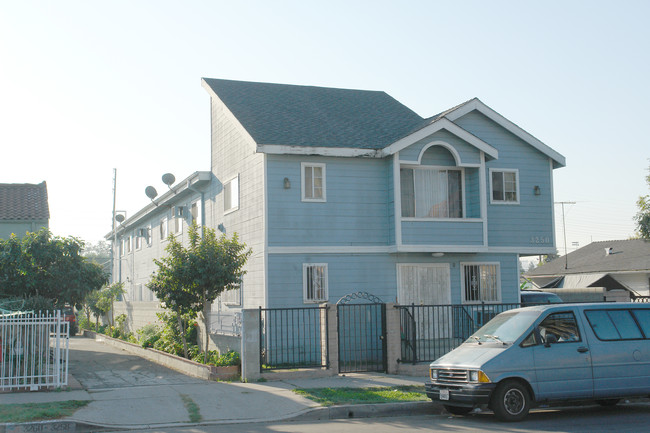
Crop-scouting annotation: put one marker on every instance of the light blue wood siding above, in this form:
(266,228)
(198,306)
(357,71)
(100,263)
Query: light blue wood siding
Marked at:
(442,233)
(375,274)
(472,193)
(468,153)
(356,211)
(529,223)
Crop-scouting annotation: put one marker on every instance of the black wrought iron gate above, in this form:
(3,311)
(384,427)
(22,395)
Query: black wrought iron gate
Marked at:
(361,319)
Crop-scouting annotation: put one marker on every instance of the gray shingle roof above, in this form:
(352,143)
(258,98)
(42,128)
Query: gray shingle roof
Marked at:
(23,201)
(626,255)
(293,115)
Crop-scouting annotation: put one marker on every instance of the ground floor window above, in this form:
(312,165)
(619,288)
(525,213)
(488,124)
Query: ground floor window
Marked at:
(314,277)
(480,282)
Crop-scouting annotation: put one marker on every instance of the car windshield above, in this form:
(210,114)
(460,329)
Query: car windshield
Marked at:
(504,328)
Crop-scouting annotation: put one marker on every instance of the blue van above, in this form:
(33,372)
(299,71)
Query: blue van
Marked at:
(547,354)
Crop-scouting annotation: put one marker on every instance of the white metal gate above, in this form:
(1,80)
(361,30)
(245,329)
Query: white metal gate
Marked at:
(33,351)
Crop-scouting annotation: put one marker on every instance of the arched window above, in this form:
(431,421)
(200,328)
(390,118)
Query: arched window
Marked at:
(433,189)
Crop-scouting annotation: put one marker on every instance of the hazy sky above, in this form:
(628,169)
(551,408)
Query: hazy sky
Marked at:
(89,86)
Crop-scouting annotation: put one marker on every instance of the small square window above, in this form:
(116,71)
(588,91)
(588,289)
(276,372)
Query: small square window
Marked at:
(231,195)
(313,182)
(314,276)
(505,186)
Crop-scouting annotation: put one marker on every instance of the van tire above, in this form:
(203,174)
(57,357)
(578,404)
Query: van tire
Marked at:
(510,401)
(458,410)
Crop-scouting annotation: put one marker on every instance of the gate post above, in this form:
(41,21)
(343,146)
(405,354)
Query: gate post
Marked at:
(333,337)
(250,345)
(393,339)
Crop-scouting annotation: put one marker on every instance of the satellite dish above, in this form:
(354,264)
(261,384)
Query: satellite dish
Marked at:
(119,218)
(168,179)
(151,192)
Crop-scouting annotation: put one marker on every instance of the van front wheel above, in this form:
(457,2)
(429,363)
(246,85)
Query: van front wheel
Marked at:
(510,401)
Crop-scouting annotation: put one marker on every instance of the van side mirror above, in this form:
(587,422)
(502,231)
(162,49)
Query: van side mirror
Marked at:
(550,339)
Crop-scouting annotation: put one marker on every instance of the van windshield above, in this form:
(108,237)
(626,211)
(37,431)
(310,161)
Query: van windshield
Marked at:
(504,328)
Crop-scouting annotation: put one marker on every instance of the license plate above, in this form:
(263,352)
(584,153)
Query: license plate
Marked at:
(444,394)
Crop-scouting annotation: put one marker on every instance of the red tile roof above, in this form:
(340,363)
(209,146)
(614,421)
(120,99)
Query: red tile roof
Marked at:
(23,201)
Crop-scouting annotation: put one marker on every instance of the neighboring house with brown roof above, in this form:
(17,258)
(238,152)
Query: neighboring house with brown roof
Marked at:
(612,265)
(23,208)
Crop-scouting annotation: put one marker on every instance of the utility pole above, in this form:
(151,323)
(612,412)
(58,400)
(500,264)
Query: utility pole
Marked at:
(113,224)
(566,260)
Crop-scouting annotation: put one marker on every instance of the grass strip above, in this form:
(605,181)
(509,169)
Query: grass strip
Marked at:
(339,396)
(28,412)
(192,408)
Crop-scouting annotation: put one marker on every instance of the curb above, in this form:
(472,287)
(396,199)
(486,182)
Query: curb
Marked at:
(313,414)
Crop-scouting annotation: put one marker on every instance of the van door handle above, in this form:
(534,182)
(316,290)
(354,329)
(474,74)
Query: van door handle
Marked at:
(583,349)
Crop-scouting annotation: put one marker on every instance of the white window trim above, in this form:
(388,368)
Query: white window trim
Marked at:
(304,165)
(198,219)
(462,192)
(305,266)
(462,281)
(138,241)
(149,236)
(504,202)
(164,221)
(231,303)
(234,208)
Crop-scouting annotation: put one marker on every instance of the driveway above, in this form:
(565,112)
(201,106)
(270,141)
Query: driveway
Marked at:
(100,366)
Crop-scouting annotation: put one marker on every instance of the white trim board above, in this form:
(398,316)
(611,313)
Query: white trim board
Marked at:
(476,104)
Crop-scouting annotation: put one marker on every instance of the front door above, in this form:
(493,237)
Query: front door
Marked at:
(427,284)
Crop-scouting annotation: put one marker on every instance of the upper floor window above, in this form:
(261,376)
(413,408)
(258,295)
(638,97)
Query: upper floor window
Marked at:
(231,195)
(178,225)
(313,181)
(314,280)
(195,212)
(163,228)
(431,192)
(505,186)
(138,239)
(480,282)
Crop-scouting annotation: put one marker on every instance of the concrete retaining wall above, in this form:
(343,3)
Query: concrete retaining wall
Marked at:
(185,366)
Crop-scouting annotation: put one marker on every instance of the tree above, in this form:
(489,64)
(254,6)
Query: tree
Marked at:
(642,217)
(99,253)
(169,285)
(41,264)
(216,264)
(190,278)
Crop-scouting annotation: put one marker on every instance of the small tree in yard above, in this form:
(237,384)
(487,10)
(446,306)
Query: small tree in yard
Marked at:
(190,278)
(169,285)
(216,264)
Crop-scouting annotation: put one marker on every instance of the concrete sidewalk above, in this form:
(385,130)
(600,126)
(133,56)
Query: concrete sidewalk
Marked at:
(127,392)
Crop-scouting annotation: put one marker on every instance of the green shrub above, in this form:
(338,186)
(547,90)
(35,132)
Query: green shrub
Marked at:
(229,358)
(84,323)
(148,335)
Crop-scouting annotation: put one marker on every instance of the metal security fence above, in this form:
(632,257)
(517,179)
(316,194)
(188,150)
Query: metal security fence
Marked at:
(430,331)
(293,338)
(34,351)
